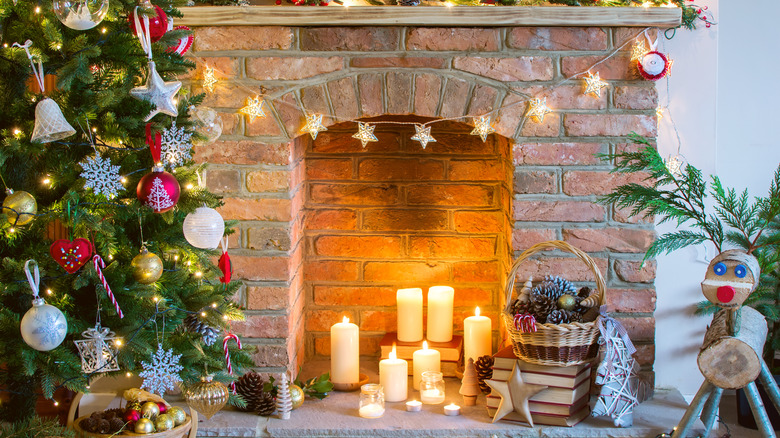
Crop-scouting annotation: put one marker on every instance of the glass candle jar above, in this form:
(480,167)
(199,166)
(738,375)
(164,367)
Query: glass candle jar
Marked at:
(432,388)
(372,401)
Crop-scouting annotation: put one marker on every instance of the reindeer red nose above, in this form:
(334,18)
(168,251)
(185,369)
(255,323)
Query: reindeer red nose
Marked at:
(725,294)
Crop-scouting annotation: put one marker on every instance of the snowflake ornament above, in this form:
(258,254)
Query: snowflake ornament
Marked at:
(162,373)
(176,147)
(102,176)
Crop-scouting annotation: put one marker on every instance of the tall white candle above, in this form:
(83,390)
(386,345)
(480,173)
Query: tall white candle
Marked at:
(394,377)
(440,300)
(410,314)
(344,352)
(477,336)
(424,360)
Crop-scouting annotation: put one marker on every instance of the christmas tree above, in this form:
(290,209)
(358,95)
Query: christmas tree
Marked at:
(85,187)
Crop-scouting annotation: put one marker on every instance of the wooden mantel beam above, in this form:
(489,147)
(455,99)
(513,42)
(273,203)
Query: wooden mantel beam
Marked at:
(458,16)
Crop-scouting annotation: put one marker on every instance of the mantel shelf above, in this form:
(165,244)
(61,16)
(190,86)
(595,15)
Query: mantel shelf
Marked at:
(458,16)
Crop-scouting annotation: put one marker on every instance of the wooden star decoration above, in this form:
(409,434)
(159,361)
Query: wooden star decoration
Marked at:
(482,128)
(514,395)
(365,133)
(594,84)
(159,93)
(423,135)
(537,109)
(314,125)
(253,109)
(638,51)
(209,79)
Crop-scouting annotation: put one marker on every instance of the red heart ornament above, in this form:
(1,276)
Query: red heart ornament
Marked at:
(71,255)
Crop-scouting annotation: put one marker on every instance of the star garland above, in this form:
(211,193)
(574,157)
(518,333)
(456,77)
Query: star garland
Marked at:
(594,84)
(483,128)
(365,134)
(537,109)
(314,126)
(253,108)
(423,135)
(209,79)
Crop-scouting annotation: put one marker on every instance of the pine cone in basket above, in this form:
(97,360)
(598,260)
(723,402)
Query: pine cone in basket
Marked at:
(541,306)
(408,2)
(250,388)
(549,290)
(584,292)
(193,324)
(558,316)
(562,284)
(266,404)
(89,424)
(484,367)
(520,307)
(574,316)
(116,424)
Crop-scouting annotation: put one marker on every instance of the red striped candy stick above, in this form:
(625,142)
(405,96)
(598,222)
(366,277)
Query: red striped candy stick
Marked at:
(99,266)
(225,342)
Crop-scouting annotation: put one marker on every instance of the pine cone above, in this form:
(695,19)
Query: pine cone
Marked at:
(250,388)
(408,2)
(573,315)
(266,405)
(549,290)
(541,306)
(562,284)
(520,308)
(89,424)
(484,367)
(116,424)
(193,324)
(558,316)
(584,292)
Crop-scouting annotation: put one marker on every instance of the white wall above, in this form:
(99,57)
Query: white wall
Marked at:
(721,95)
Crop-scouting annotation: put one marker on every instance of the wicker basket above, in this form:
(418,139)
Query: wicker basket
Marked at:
(554,344)
(180,431)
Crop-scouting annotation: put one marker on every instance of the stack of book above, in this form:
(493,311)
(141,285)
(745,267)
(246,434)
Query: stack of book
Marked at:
(451,352)
(563,403)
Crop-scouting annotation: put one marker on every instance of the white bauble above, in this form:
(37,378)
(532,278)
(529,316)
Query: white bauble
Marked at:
(80,14)
(43,326)
(204,227)
(653,63)
(207,123)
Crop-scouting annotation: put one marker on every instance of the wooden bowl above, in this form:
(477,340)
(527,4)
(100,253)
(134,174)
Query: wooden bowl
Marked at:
(180,431)
(348,387)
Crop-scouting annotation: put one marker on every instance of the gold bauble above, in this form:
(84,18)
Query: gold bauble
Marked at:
(567,302)
(23,206)
(177,414)
(134,405)
(147,267)
(144,425)
(150,410)
(207,397)
(164,422)
(297,396)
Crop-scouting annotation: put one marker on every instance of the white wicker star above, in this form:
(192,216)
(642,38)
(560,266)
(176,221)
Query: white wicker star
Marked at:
(483,128)
(638,51)
(537,109)
(253,109)
(365,133)
(674,165)
(102,176)
(209,79)
(176,147)
(162,373)
(314,125)
(423,135)
(160,93)
(594,84)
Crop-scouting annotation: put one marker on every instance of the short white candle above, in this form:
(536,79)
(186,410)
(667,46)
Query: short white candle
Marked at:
(344,352)
(440,302)
(424,360)
(410,314)
(371,411)
(413,406)
(452,410)
(432,396)
(477,336)
(394,377)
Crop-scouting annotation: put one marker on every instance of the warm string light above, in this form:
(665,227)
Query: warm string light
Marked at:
(365,134)
(253,108)
(209,79)
(537,109)
(314,125)
(483,128)
(639,50)
(423,135)
(594,84)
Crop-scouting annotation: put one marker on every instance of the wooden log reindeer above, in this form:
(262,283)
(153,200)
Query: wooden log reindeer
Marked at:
(731,354)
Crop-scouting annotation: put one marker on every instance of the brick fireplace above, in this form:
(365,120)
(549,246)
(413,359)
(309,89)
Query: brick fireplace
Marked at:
(327,228)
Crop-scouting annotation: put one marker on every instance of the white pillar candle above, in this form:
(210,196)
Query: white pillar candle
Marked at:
(394,377)
(440,300)
(477,336)
(410,314)
(424,360)
(452,410)
(344,352)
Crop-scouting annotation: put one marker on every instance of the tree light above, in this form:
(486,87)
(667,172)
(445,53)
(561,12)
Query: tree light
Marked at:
(17,131)
(156,299)
(47,180)
(129,374)
(56,403)
(123,180)
(11,230)
(213,305)
(103,30)
(203,314)
(37,9)
(49,291)
(118,342)
(198,274)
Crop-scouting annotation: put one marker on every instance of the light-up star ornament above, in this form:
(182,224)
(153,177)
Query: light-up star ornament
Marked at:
(159,93)
(537,109)
(314,125)
(423,135)
(659,112)
(483,128)
(594,84)
(638,51)
(674,165)
(209,79)
(365,133)
(253,109)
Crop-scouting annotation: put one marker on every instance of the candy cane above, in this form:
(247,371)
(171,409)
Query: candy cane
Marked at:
(225,342)
(525,323)
(99,263)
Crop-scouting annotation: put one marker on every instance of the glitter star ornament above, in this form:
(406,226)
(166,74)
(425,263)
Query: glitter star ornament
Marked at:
(314,125)
(365,133)
(209,79)
(101,176)
(253,109)
(162,372)
(159,93)
(638,51)
(537,109)
(175,145)
(594,84)
(423,135)
(483,128)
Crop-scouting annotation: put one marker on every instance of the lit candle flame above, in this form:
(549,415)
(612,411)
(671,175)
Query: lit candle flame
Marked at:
(476,311)
(345,320)
(392,354)
(452,405)
(425,345)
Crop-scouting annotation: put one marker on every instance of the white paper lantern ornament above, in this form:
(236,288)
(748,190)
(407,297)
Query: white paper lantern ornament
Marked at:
(204,227)
(44,326)
(81,14)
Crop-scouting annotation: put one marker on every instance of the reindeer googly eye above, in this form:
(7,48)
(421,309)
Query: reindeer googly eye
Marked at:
(740,271)
(720,268)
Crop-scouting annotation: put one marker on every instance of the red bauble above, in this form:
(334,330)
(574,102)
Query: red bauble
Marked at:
(158,190)
(183,44)
(157,25)
(71,255)
(163,407)
(653,65)
(132,415)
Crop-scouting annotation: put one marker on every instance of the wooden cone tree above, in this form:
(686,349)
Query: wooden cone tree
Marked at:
(469,387)
(283,398)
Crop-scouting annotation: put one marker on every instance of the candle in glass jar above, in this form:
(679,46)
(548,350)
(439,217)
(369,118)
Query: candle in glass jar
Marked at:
(410,314)
(477,336)
(440,299)
(344,352)
(394,377)
(424,360)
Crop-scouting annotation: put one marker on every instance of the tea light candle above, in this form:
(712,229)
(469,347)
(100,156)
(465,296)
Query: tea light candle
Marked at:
(413,406)
(424,360)
(410,314)
(344,352)
(394,377)
(452,410)
(440,299)
(477,336)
